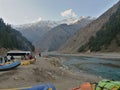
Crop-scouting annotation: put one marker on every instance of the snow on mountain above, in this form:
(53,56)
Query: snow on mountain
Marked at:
(35,31)
(70,21)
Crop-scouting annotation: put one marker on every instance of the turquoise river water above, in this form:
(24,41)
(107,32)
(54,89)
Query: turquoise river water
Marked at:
(106,68)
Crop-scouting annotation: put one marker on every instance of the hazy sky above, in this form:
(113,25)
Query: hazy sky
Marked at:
(27,11)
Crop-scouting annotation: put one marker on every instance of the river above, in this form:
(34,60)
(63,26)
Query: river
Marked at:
(105,68)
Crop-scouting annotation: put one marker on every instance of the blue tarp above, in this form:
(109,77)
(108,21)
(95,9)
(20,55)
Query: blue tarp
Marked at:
(42,87)
(10,66)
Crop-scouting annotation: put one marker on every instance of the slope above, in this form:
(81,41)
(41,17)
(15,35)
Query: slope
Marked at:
(82,36)
(57,36)
(107,38)
(12,39)
(34,31)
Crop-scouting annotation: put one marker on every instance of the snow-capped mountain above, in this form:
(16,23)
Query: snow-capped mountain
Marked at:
(70,21)
(35,31)
(57,36)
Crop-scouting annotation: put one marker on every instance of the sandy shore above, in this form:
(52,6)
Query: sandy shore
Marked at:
(45,70)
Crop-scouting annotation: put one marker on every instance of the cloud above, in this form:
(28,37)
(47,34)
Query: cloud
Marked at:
(68,13)
(40,18)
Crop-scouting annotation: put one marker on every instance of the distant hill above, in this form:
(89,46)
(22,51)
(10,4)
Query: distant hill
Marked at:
(58,35)
(12,39)
(80,38)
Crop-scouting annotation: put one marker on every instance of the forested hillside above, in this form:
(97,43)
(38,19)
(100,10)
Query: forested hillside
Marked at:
(107,38)
(86,39)
(12,39)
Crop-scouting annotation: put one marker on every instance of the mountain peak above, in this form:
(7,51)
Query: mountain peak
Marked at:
(82,36)
(74,20)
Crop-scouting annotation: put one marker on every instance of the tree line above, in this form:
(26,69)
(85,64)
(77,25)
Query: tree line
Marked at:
(13,39)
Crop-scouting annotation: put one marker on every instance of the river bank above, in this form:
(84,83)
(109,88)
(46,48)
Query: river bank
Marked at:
(109,55)
(48,69)
(45,70)
(101,55)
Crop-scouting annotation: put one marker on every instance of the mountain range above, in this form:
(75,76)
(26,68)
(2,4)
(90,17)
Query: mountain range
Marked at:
(50,35)
(34,31)
(100,35)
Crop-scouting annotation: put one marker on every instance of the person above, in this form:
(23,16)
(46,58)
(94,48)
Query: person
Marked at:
(5,59)
(9,57)
(40,54)
(23,57)
(27,56)
(12,58)
(30,56)
(1,59)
